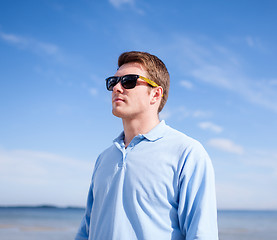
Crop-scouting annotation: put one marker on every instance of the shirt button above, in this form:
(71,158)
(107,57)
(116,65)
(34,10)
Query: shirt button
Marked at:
(121,164)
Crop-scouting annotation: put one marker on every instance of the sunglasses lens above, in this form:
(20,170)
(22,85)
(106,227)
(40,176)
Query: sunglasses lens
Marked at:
(111,82)
(129,81)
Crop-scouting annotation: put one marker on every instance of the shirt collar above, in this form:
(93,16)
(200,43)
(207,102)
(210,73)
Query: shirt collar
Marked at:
(157,132)
(120,139)
(153,135)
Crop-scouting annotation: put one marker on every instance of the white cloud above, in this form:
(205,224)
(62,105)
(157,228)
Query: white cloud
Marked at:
(186,84)
(31,44)
(47,48)
(247,181)
(254,42)
(250,193)
(210,126)
(250,41)
(93,91)
(226,145)
(227,75)
(201,114)
(263,158)
(273,82)
(231,195)
(12,38)
(181,112)
(34,177)
(118,3)
(250,182)
(218,65)
(203,59)
(212,74)
(165,114)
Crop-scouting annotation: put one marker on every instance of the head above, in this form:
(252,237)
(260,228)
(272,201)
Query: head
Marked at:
(154,68)
(135,99)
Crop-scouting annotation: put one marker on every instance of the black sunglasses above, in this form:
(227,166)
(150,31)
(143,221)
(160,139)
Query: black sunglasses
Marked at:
(127,81)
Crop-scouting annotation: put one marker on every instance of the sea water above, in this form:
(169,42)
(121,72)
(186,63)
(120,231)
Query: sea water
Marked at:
(39,223)
(44,223)
(247,225)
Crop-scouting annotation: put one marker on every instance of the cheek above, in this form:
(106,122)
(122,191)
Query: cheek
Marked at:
(142,100)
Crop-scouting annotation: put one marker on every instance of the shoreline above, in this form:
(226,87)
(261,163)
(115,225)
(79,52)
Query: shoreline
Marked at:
(46,206)
(40,207)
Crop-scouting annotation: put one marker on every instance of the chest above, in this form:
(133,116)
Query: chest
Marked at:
(151,175)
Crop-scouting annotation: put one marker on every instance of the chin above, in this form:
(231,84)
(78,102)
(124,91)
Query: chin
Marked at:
(123,114)
(117,113)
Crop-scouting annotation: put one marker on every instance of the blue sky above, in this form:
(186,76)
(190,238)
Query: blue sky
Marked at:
(55,113)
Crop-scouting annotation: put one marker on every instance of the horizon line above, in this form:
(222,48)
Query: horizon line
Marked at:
(49,206)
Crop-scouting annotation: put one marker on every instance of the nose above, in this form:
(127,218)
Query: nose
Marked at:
(118,87)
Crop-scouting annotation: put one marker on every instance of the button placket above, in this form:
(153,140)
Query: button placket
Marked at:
(122,163)
(130,147)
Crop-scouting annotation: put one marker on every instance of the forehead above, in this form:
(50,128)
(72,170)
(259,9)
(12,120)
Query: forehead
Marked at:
(131,68)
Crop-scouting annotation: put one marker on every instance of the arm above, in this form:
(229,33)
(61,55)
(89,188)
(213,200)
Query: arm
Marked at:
(197,202)
(83,232)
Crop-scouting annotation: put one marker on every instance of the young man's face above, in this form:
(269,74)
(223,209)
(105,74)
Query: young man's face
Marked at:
(131,103)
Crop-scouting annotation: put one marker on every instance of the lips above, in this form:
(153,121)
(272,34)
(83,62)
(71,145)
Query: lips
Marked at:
(118,99)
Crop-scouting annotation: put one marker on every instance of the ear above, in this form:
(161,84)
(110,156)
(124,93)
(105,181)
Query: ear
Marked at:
(156,94)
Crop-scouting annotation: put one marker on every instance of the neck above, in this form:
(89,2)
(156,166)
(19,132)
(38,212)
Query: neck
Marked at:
(133,127)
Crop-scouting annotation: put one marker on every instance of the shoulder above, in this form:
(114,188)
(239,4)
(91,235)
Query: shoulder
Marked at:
(188,149)
(182,140)
(109,151)
(105,154)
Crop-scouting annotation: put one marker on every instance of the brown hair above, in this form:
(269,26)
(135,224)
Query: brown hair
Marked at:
(154,67)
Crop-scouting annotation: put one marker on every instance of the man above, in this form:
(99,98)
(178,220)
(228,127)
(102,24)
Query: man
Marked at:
(154,182)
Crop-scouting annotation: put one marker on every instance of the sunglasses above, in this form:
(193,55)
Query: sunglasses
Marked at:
(127,81)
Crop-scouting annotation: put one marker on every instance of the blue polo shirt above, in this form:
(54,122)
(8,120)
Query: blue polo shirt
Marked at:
(160,187)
